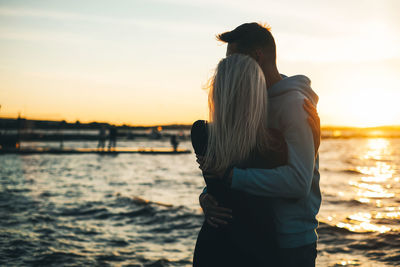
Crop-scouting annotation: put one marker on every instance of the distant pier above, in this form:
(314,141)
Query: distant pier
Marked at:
(118,150)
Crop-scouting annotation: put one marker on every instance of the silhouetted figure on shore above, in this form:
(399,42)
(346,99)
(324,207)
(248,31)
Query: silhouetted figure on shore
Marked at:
(102,138)
(61,134)
(174,142)
(19,129)
(112,143)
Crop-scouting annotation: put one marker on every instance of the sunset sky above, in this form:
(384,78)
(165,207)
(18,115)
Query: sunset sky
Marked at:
(145,62)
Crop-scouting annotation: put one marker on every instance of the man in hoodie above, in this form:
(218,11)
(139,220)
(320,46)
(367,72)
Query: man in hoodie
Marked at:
(295,186)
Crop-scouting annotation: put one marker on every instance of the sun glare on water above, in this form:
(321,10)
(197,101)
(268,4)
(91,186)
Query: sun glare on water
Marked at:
(374,186)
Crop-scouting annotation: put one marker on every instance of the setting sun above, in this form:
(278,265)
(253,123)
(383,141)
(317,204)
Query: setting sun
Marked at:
(369,107)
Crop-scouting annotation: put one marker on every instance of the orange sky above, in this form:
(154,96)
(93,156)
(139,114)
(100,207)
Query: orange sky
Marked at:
(145,62)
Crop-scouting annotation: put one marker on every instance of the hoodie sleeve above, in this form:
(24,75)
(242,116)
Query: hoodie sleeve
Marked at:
(294,179)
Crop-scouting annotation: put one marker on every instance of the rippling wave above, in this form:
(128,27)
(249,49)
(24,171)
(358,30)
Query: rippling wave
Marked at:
(113,230)
(137,210)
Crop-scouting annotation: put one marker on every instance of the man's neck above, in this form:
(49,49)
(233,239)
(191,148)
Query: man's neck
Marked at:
(272,76)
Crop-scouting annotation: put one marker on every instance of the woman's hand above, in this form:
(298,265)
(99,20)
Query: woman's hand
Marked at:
(215,215)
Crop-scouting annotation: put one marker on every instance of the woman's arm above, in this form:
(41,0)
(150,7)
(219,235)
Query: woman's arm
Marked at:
(214,214)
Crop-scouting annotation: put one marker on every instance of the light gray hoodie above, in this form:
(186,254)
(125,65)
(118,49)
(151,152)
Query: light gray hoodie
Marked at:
(294,186)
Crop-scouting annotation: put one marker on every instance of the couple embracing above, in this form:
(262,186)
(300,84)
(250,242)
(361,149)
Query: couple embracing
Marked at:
(259,159)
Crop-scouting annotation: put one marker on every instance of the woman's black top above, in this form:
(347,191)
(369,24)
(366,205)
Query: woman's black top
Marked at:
(252,229)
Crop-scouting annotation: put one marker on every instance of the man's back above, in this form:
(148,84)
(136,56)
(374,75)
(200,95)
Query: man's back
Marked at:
(296,185)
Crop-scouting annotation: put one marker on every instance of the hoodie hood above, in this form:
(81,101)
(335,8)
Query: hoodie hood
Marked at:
(298,83)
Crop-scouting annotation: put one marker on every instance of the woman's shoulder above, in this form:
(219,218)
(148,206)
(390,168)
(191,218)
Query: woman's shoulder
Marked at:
(199,136)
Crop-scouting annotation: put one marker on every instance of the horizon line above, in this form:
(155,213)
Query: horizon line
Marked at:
(187,124)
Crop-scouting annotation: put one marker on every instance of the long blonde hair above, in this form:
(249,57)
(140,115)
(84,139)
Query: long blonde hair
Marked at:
(237,103)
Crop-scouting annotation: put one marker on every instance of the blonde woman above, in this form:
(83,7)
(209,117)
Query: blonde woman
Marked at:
(237,135)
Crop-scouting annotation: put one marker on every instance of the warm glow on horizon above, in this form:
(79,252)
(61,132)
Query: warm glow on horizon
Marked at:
(368,108)
(145,63)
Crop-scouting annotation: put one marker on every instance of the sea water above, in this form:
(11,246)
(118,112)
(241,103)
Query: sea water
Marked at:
(142,210)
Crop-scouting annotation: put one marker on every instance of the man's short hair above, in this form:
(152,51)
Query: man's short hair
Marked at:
(250,36)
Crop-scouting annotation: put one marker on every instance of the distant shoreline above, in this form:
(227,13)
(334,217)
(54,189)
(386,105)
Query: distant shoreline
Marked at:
(51,124)
(12,123)
(43,130)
